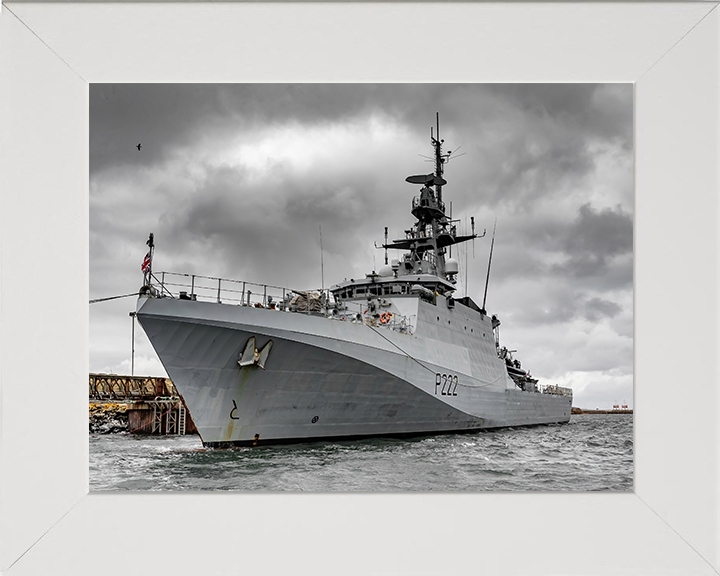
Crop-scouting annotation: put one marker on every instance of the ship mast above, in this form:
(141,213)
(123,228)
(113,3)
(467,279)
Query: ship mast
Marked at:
(433,232)
(439,160)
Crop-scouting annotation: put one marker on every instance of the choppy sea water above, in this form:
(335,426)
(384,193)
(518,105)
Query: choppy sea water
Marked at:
(593,452)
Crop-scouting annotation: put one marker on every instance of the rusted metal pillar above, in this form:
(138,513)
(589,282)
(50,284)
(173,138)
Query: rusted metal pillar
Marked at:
(157,420)
(171,421)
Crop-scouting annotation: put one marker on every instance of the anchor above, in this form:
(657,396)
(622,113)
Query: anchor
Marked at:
(251,355)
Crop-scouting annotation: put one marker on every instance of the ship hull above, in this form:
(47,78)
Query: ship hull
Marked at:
(325,379)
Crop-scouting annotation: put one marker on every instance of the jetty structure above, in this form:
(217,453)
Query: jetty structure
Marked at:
(137,404)
(392,354)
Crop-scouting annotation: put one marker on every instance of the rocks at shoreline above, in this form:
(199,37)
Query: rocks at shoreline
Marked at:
(108,418)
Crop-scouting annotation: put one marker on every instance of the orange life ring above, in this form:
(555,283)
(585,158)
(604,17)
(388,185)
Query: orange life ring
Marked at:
(385,317)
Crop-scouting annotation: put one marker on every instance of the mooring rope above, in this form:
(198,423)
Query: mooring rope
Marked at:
(401,350)
(423,365)
(112,298)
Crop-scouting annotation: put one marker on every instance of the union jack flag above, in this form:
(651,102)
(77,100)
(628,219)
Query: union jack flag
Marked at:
(146,263)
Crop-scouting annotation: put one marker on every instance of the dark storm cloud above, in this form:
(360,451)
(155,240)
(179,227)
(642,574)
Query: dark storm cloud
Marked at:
(597,308)
(159,116)
(559,305)
(608,231)
(529,170)
(549,141)
(595,238)
(597,111)
(595,246)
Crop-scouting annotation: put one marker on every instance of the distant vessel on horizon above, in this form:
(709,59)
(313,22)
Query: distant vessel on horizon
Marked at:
(391,354)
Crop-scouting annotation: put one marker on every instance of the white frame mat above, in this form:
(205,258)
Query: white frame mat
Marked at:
(49,524)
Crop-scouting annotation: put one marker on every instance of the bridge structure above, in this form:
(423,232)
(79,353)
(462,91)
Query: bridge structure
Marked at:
(115,387)
(153,404)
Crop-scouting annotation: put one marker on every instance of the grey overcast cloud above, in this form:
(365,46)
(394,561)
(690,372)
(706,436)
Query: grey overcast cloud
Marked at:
(235,181)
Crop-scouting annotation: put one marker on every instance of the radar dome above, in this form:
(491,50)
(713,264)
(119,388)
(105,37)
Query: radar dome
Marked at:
(386,271)
(451,266)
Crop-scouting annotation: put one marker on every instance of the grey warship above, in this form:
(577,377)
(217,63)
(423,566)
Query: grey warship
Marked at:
(392,354)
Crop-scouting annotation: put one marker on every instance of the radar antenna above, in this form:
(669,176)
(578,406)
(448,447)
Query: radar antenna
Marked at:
(454,154)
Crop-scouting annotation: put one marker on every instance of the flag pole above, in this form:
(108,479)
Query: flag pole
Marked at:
(148,272)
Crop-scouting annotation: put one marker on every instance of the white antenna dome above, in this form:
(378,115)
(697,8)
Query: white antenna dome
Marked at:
(451,266)
(386,271)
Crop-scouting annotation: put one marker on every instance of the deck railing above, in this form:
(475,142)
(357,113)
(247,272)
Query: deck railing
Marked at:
(239,292)
(243,293)
(557,390)
(213,289)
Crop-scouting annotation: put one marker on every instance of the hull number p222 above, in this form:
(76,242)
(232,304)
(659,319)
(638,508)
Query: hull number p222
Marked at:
(447,384)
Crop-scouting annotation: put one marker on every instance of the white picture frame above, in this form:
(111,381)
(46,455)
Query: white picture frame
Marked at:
(50,52)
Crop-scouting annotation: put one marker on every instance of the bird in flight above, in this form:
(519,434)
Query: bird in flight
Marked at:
(139,146)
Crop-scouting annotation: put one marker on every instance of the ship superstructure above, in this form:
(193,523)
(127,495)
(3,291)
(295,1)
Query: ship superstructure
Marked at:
(391,354)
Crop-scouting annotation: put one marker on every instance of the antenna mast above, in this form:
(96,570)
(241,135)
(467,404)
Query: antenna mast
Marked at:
(450,247)
(386,260)
(466,256)
(472,221)
(487,280)
(437,143)
(322,267)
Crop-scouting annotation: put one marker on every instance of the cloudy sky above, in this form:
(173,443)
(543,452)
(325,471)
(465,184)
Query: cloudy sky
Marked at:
(236,180)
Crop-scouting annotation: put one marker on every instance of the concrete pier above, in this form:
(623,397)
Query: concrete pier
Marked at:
(614,411)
